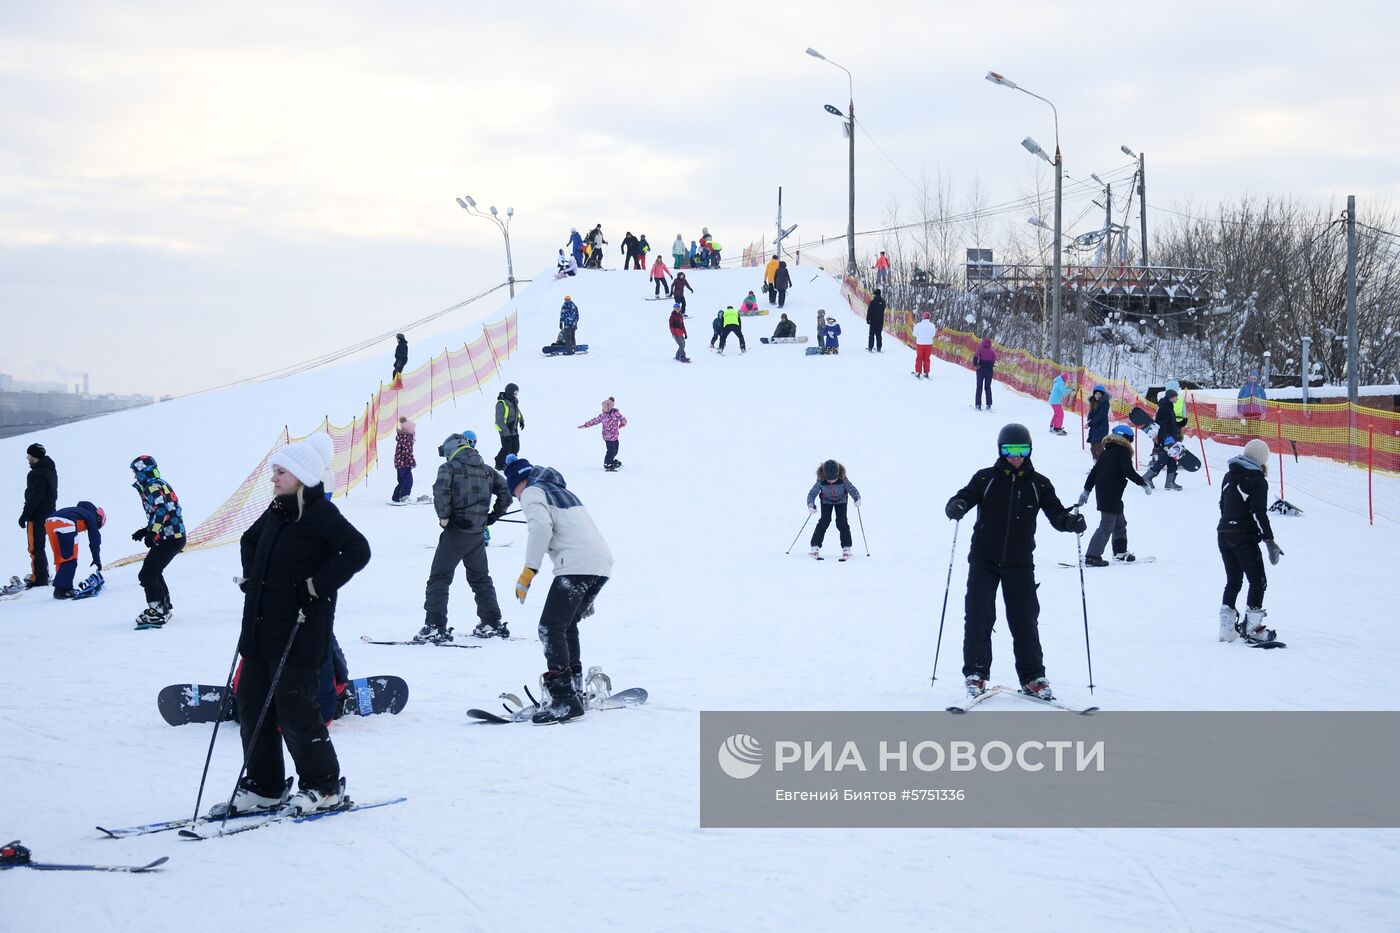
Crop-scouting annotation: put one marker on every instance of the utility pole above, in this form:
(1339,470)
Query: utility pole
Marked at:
(851,217)
(1107,246)
(778,240)
(1352,375)
(1142,203)
(1059,207)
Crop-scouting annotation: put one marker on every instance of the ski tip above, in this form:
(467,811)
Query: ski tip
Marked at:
(153,865)
(956,709)
(190,834)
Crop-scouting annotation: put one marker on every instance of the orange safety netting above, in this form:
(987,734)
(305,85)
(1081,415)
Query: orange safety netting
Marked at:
(1346,455)
(356,445)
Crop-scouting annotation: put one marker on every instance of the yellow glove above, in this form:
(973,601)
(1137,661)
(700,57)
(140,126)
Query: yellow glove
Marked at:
(522,585)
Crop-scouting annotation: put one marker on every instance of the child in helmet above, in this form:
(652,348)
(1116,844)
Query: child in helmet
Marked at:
(62,528)
(1109,477)
(834,489)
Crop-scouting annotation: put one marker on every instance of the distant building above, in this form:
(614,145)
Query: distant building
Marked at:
(32,406)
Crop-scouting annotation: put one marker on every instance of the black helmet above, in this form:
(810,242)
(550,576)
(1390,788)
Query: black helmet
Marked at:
(831,470)
(1013,434)
(512,388)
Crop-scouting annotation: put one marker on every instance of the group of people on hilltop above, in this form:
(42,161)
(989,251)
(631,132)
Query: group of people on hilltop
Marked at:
(586,252)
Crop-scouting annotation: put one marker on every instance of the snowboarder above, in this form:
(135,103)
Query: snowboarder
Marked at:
(1099,404)
(1244,523)
(660,277)
(560,526)
(40,501)
(568,324)
(404,461)
(831,335)
(834,489)
(400,359)
(875,317)
(1112,471)
(1058,390)
(1166,438)
(924,332)
(62,529)
(296,558)
(732,325)
(985,360)
(749,305)
(612,421)
(164,535)
(782,281)
(678,253)
(566,266)
(785,328)
(631,252)
(1007,495)
(882,270)
(510,421)
(462,499)
(770,271)
(677,325)
(679,286)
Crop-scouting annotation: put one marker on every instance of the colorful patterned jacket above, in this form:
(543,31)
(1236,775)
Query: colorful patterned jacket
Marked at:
(164,517)
(612,421)
(403,450)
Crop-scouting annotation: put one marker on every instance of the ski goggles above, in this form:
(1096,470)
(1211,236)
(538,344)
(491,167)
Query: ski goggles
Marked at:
(1015,450)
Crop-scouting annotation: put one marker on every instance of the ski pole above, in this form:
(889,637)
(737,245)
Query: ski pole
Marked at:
(799,532)
(947,585)
(208,756)
(267,704)
(862,530)
(1084,602)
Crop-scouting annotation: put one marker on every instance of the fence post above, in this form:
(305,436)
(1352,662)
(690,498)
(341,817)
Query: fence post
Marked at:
(472,361)
(1370,469)
(1200,436)
(486,332)
(1278,421)
(451,379)
(1079,400)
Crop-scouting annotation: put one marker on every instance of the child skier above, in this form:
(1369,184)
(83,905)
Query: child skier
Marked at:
(1108,478)
(833,488)
(163,533)
(1244,523)
(612,421)
(1058,390)
(677,325)
(1098,421)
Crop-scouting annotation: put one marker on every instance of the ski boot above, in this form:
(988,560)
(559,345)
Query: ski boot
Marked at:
(1125,557)
(976,685)
(1038,688)
(845,553)
(431,634)
(247,800)
(311,800)
(12,854)
(63,592)
(1172,484)
(815,553)
(1229,623)
(30,583)
(1094,560)
(1253,628)
(491,630)
(153,616)
(560,702)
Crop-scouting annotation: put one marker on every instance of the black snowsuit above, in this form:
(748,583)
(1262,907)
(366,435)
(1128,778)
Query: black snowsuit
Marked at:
(631,252)
(782,281)
(40,501)
(1109,476)
(785,329)
(300,537)
(1167,426)
(1244,522)
(510,421)
(462,495)
(875,317)
(1003,545)
(400,357)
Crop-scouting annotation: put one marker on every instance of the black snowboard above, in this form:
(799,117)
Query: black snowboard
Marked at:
(558,349)
(1183,457)
(181,704)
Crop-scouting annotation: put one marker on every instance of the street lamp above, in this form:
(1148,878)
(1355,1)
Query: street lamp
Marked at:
(1142,196)
(1034,149)
(851,134)
(468,204)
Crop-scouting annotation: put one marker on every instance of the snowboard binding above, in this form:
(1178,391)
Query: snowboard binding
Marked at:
(12,853)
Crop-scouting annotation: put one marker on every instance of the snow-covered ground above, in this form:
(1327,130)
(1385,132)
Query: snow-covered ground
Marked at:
(595,825)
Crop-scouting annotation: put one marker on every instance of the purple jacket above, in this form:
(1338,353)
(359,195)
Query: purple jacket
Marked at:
(612,421)
(985,357)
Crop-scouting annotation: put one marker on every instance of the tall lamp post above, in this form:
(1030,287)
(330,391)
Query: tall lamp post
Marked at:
(467,204)
(1034,149)
(1142,196)
(851,134)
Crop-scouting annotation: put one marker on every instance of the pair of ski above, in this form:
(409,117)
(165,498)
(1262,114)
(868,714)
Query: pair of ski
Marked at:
(209,827)
(14,855)
(990,692)
(1120,563)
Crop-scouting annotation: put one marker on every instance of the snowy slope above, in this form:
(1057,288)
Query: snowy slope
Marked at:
(596,823)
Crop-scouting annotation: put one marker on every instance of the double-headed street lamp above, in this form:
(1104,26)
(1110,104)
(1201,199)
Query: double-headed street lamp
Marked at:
(1034,149)
(850,116)
(467,204)
(1142,196)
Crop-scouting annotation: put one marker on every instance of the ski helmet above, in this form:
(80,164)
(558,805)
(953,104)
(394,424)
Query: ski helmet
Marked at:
(1169,441)
(470,437)
(1099,388)
(1123,431)
(145,464)
(101,518)
(831,471)
(1013,434)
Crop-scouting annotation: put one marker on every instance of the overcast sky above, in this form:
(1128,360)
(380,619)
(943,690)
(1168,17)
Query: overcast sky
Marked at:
(196,192)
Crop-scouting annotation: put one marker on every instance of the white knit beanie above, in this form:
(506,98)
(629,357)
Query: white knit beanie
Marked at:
(1257,451)
(308,460)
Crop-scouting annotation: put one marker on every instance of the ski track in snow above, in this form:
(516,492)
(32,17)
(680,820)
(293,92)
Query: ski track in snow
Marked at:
(597,820)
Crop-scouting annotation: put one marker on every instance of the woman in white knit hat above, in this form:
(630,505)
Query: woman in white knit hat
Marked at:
(1244,523)
(296,557)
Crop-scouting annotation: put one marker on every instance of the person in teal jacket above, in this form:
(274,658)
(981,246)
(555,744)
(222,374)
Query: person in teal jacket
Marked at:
(1058,390)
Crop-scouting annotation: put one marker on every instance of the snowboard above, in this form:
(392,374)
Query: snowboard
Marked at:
(759,313)
(556,349)
(420,500)
(782,339)
(182,704)
(1144,421)
(633,696)
(13,590)
(815,351)
(1178,452)
(1116,563)
(89,587)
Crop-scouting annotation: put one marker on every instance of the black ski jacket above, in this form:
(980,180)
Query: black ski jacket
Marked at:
(1111,474)
(782,279)
(1007,501)
(1244,502)
(300,536)
(875,312)
(40,491)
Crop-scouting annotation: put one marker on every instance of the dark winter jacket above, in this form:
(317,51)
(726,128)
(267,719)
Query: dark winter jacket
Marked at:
(165,521)
(677,323)
(301,536)
(40,491)
(1007,501)
(464,487)
(85,518)
(631,246)
(785,329)
(403,450)
(875,312)
(718,322)
(1244,502)
(782,279)
(401,356)
(568,314)
(509,419)
(1111,474)
(679,286)
(1098,419)
(834,493)
(1166,419)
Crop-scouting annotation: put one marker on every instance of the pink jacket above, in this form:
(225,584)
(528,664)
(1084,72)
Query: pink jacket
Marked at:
(659,270)
(612,421)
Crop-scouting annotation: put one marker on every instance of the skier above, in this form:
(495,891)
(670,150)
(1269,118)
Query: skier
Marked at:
(400,359)
(679,286)
(1058,390)
(62,529)
(612,421)
(566,266)
(678,253)
(833,488)
(677,325)
(782,281)
(1165,441)
(985,360)
(631,252)
(732,325)
(716,325)
(644,248)
(875,317)
(462,498)
(1108,478)
(1008,494)
(770,271)
(404,461)
(596,242)
(560,526)
(568,324)
(1244,522)
(40,501)
(296,558)
(510,421)
(831,335)
(660,278)
(749,305)
(1099,404)
(785,328)
(924,332)
(576,246)
(163,534)
(882,270)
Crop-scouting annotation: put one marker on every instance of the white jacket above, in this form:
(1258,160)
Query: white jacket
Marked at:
(924,332)
(568,535)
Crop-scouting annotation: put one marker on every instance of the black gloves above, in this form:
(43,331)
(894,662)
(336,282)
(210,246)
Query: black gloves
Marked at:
(145,535)
(955,509)
(1076,524)
(139,534)
(491,519)
(306,596)
(22,522)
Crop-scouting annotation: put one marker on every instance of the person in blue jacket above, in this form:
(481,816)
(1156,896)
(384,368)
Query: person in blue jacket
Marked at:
(62,528)
(831,336)
(568,324)
(1099,404)
(1058,390)
(576,245)
(1252,396)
